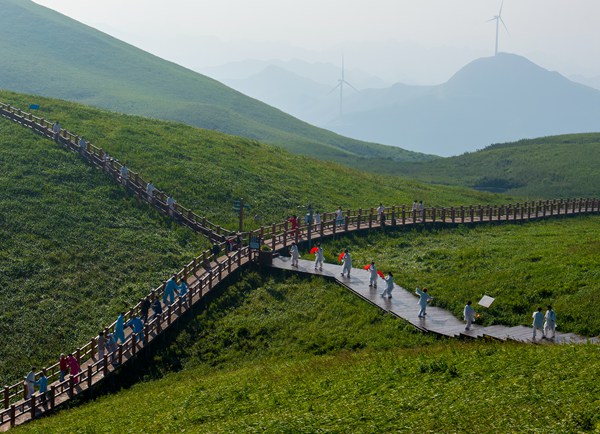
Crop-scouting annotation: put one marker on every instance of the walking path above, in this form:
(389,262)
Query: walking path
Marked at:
(206,272)
(403,304)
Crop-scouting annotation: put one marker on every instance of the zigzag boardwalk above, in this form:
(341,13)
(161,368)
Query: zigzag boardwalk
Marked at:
(18,410)
(403,304)
(205,272)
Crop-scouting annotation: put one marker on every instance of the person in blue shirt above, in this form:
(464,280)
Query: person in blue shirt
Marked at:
(137,326)
(423,300)
(170,289)
(42,384)
(183,289)
(120,329)
(538,323)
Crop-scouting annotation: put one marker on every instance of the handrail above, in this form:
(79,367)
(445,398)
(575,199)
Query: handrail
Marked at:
(207,270)
(132,181)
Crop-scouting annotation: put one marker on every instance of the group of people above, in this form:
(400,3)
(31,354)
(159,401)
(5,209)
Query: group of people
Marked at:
(418,209)
(546,323)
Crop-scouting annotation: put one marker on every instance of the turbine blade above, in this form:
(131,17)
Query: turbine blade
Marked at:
(336,86)
(350,85)
(506,28)
(491,19)
(500,13)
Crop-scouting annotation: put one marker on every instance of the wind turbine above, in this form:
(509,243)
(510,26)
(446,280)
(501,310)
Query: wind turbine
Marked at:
(498,19)
(341,82)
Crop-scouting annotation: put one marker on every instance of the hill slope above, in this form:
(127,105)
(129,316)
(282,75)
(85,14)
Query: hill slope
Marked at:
(490,100)
(74,251)
(206,170)
(548,167)
(49,54)
(305,356)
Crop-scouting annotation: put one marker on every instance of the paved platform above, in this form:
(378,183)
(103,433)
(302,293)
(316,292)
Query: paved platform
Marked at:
(404,304)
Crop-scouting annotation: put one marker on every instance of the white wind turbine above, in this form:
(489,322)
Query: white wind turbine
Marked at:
(341,82)
(498,19)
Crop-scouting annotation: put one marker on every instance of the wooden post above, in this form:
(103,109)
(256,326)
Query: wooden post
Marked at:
(169,307)
(393,215)
(358,218)
(134,342)
(12,415)
(92,347)
(472,213)
(105,365)
(452,214)
(481,212)
(190,298)
(443,215)
(71,386)
(52,396)
(462,214)
(32,406)
(179,304)
(273,236)
(120,354)
(24,390)
(347,220)
(371,218)
(285,234)
(403,215)
(6,397)
(433,214)
(89,377)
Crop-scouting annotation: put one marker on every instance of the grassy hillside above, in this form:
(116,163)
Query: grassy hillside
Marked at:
(207,170)
(548,167)
(74,251)
(46,53)
(307,356)
(523,266)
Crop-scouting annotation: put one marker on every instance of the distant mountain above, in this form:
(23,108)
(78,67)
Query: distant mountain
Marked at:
(299,96)
(588,81)
(319,72)
(490,100)
(546,167)
(46,53)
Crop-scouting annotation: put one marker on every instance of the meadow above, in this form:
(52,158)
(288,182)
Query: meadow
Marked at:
(75,249)
(206,170)
(276,354)
(543,168)
(523,266)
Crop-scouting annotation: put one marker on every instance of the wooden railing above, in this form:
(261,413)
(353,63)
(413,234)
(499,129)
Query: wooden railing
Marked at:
(206,271)
(111,166)
(202,281)
(280,235)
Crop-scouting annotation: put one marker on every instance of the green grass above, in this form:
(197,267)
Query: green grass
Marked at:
(206,170)
(548,168)
(48,54)
(75,249)
(396,381)
(522,265)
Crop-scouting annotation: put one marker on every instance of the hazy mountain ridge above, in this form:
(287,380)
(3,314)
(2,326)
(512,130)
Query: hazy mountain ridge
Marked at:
(494,99)
(49,54)
(490,100)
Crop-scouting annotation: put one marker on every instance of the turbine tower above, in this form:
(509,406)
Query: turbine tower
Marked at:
(341,82)
(498,19)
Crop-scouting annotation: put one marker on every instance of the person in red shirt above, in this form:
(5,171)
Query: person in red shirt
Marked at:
(63,366)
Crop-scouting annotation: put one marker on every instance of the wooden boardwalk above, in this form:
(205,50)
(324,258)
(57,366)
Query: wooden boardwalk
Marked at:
(403,304)
(205,272)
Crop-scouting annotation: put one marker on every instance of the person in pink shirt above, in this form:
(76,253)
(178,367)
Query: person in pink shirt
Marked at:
(73,366)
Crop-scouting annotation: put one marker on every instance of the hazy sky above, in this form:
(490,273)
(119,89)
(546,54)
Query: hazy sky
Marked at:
(419,40)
